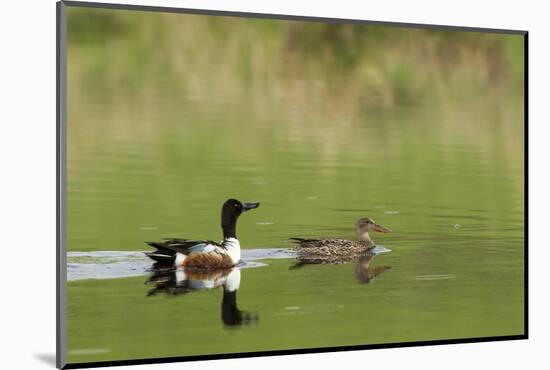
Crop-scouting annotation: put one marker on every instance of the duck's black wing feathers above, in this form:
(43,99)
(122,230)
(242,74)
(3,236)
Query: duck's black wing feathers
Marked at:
(166,250)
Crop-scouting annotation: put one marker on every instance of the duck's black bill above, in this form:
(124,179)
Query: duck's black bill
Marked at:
(250,205)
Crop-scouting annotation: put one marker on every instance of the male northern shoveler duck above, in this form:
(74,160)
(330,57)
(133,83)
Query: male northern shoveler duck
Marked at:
(336,250)
(206,253)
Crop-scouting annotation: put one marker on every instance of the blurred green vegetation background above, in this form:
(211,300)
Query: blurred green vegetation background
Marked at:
(167,110)
(388,65)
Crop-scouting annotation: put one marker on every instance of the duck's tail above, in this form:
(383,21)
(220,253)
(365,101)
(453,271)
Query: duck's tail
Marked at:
(161,258)
(296,240)
(162,254)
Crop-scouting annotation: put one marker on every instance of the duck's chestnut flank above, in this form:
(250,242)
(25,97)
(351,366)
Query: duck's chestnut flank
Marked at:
(212,260)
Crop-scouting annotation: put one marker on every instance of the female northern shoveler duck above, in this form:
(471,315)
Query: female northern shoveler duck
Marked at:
(206,253)
(327,250)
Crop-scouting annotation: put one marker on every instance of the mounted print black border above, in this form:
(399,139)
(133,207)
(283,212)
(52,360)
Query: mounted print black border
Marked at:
(61,119)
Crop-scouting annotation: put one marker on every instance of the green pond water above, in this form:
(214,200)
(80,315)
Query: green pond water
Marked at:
(169,115)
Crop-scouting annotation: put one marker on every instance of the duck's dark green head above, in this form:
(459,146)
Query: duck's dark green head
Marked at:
(231,210)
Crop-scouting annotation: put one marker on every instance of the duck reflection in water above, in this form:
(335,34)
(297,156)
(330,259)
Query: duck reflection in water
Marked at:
(364,272)
(183,280)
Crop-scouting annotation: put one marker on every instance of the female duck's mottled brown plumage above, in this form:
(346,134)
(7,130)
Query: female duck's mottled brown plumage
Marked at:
(336,250)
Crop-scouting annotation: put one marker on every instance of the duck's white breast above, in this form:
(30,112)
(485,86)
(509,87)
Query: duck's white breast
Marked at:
(233,249)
